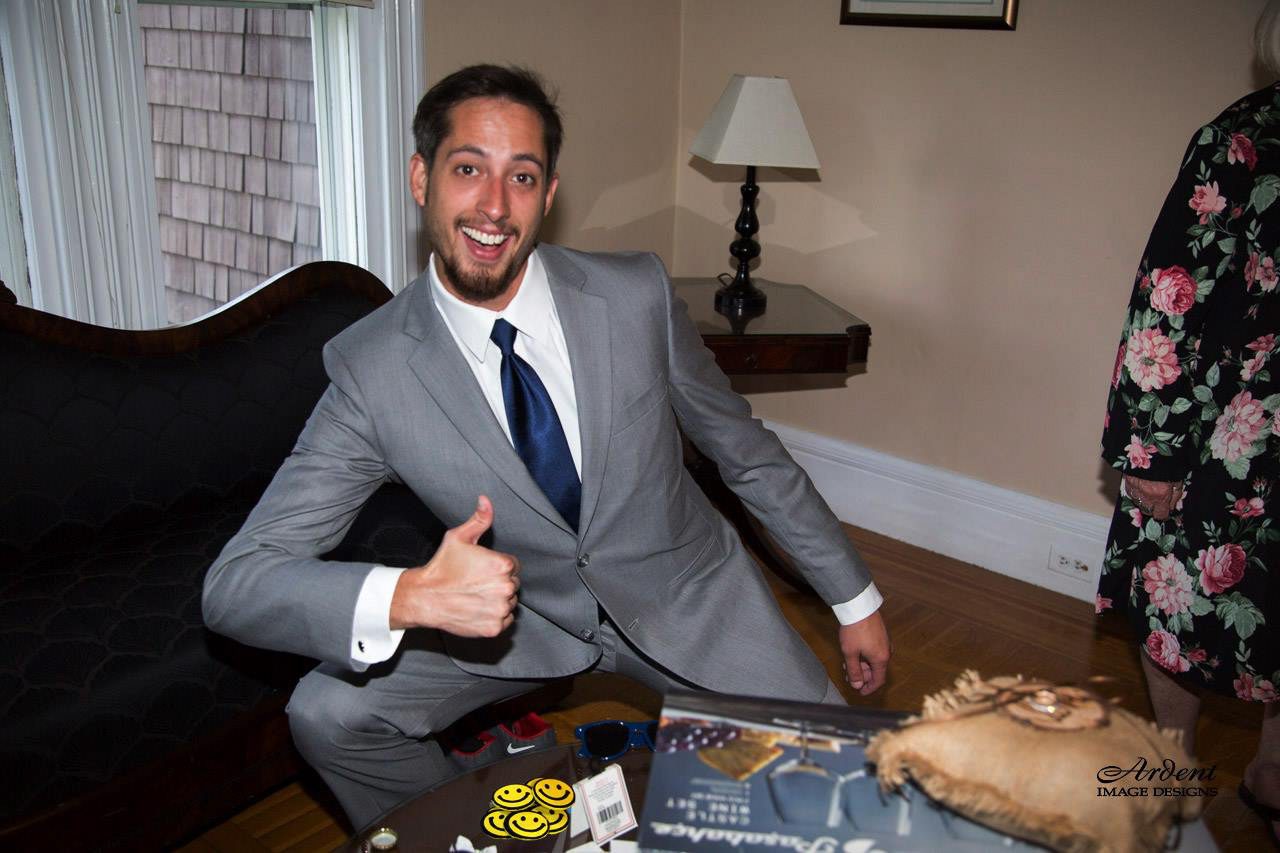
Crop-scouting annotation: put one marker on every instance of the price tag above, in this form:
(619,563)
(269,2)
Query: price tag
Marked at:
(607,804)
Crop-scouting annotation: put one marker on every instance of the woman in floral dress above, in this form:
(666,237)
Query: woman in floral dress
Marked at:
(1193,422)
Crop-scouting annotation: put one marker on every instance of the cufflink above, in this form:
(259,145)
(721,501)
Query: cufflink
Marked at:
(360,645)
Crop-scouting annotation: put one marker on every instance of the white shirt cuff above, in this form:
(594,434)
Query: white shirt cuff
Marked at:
(372,640)
(857,608)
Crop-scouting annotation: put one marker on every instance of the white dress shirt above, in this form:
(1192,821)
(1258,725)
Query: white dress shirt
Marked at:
(540,342)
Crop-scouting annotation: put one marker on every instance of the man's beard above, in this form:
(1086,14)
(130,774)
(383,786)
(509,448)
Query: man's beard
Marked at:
(484,284)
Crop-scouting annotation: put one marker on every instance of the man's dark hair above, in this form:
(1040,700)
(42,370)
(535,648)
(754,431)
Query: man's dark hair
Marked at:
(518,85)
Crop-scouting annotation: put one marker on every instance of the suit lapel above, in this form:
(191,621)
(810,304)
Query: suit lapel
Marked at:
(443,371)
(585,322)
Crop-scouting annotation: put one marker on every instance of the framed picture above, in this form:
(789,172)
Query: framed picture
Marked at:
(969,14)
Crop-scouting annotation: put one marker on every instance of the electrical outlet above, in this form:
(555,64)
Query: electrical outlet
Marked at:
(1071,565)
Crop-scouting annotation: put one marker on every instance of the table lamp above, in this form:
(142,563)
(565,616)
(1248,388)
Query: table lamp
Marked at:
(756,122)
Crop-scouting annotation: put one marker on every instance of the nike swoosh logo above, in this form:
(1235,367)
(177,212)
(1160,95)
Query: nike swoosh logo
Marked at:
(513,749)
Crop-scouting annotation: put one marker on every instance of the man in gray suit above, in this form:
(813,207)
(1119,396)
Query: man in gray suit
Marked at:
(550,383)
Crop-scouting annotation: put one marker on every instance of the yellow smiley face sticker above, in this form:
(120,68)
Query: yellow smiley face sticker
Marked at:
(526,825)
(557,819)
(513,797)
(553,793)
(495,823)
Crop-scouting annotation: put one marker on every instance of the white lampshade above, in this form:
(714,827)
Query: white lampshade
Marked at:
(756,122)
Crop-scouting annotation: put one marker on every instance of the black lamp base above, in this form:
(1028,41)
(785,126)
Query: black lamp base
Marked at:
(741,301)
(740,298)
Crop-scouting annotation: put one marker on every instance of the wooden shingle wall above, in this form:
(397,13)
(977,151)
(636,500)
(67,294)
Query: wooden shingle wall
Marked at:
(234,140)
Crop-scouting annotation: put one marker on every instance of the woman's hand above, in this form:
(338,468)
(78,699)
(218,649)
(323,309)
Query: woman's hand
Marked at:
(1154,498)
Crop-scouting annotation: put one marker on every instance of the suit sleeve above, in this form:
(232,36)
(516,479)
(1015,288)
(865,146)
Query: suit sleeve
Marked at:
(268,587)
(754,464)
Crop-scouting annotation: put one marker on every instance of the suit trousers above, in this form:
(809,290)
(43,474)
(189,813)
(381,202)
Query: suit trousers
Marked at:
(369,734)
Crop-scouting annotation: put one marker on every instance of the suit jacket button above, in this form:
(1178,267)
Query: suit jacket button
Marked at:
(587,634)
(584,561)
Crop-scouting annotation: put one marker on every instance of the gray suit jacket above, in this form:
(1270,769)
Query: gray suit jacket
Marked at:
(667,568)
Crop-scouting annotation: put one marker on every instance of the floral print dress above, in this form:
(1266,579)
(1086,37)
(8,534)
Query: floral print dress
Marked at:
(1195,398)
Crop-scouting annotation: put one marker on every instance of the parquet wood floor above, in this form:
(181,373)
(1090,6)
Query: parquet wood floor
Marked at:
(944,616)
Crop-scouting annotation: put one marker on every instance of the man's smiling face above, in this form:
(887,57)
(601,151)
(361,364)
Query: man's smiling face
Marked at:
(485,196)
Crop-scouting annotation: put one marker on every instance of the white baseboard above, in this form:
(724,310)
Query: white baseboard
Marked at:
(944,512)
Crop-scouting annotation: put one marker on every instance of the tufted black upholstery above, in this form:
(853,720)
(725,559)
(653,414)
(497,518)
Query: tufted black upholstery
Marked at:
(101,438)
(123,476)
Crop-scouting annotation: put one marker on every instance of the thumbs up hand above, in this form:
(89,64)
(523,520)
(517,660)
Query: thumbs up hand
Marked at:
(464,589)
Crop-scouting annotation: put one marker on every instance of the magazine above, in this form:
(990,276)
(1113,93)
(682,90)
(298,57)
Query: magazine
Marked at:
(742,774)
(734,773)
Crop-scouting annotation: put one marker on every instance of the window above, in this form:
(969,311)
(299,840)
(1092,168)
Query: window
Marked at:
(269,136)
(233,139)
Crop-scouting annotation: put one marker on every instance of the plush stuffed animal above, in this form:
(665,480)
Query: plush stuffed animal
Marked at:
(1053,764)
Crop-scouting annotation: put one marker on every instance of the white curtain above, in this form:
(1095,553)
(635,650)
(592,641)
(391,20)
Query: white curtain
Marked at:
(370,72)
(13,246)
(82,143)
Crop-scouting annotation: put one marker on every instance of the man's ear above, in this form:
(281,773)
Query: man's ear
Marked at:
(551,193)
(418,179)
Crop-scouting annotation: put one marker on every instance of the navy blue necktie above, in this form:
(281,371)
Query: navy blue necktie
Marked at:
(535,427)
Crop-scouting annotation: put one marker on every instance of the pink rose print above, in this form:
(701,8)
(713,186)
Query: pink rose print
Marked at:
(1267,277)
(1266,343)
(1168,584)
(1151,359)
(1139,454)
(1192,585)
(1241,151)
(1205,200)
(1173,290)
(1258,689)
(1163,649)
(1250,368)
(1220,568)
(1237,428)
(1251,508)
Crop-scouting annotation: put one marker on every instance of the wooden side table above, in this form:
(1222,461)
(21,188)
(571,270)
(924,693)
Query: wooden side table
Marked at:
(800,332)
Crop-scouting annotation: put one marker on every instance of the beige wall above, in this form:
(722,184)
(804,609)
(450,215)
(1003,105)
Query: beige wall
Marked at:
(983,202)
(617,66)
(983,199)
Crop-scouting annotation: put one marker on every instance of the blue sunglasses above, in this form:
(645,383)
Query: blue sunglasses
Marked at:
(605,740)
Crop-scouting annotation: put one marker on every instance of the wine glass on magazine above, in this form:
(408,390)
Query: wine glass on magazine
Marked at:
(802,790)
